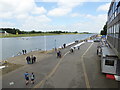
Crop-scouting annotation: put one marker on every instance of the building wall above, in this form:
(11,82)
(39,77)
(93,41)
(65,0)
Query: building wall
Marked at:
(113,26)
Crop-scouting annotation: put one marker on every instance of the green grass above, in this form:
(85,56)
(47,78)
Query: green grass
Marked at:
(30,35)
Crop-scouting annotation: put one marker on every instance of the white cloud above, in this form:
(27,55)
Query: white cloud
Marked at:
(39,10)
(24,13)
(6,15)
(95,23)
(66,6)
(39,19)
(75,15)
(73,0)
(15,8)
(104,7)
(22,16)
(63,7)
(59,11)
(35,23)
(6,25)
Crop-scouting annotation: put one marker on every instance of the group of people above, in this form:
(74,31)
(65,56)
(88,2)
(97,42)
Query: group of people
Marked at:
(31,60)
(29,77)
(24,51)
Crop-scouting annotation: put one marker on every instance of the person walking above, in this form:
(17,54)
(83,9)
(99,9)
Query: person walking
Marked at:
(27,78)
(64,45)
(57,54)
(23,51)
(34,59)
(60,54)
(71,50)
(28,59)
(32,77)
(78,47)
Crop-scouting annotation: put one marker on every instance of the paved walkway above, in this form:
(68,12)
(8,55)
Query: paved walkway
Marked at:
(78,70)
(40,55)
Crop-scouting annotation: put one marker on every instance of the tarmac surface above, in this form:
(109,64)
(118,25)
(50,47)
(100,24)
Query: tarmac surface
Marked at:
(80,69)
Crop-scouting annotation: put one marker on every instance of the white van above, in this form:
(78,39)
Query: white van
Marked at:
(108,60)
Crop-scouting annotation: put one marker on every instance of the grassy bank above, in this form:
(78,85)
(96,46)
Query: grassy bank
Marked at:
(30,35)
(10,67)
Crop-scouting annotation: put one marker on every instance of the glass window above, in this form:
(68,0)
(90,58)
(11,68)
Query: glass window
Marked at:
(117,2)
(109,62)
(117,30)
(108,31)
(113,8)
(115,13)
(114,30)
(119,9)
(111,31)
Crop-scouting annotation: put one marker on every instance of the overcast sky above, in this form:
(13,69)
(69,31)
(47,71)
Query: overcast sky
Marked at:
(50,15)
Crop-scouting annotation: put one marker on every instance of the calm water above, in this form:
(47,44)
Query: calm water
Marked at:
(12,46)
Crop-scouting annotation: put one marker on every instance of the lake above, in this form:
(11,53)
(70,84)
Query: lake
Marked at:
(12,46)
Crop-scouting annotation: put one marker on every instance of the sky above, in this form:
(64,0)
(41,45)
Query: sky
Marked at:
(53,15)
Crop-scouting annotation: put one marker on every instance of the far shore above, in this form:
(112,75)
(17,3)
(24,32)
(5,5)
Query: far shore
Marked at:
(38,34)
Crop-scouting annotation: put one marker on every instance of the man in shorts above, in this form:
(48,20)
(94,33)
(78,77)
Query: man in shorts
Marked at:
(27,77)
(32,78)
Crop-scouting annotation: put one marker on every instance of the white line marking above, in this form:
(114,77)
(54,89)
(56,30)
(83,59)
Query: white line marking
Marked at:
(84,69)
(56,67)
(51,73)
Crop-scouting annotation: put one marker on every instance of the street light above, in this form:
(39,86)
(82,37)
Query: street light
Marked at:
(55,45)
(45,42)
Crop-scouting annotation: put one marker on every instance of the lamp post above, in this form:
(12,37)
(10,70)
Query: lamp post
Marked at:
(45,41)
(55,45)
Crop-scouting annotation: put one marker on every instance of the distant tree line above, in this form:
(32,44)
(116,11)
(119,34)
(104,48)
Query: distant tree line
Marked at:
(59,32)
(14,31)
(104,31)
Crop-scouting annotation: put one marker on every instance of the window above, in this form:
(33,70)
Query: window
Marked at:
(118,7)
(109,62)
(114,30)
(117,30)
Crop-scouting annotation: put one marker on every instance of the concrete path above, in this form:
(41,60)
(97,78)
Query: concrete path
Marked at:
(40,55)
(80,69)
